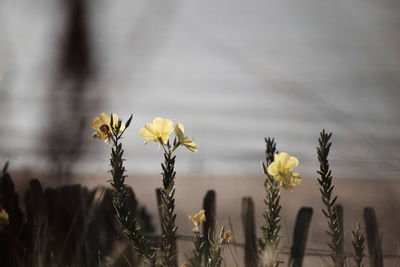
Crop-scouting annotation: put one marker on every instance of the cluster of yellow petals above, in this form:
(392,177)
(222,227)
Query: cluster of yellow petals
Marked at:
(161,129)
(197,219)
(157,131)
(103,127)
(281,169)
(228,237)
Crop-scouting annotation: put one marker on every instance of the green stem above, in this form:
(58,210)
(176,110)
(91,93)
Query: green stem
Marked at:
(358,246)
(126,217)
(198,251)
(329,201)
(271,228)
(168,246)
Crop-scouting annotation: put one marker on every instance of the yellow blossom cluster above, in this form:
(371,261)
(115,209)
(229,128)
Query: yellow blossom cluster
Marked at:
(157,131)
(281,169)
(197,219)
(160,130)
(103,127)
(228,237)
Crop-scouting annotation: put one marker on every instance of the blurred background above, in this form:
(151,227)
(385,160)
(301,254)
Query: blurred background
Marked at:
(233,72)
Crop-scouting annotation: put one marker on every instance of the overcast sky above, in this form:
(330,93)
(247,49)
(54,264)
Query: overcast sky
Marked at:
(233,72)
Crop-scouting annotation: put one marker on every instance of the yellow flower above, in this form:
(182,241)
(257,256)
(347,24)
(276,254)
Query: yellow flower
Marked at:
(228,237)
(102,125)
(4,217)
(158,131)
(281,169)
(184,140)
(185,264)
(197,219)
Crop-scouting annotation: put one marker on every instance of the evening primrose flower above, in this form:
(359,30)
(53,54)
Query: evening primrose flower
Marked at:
(281,169)
(4,217)
(184,140)
(102,125)
(228,237)
(158,131)
(197,219)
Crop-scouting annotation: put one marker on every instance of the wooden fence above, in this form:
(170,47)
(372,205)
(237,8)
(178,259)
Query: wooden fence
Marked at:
(298,249)
(75,226)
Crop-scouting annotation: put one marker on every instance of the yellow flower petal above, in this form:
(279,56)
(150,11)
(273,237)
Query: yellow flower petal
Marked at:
(148,135)
(179,132)
(165,138)
(158,122)
(197,219)
(184,140)
(273,169)
(190,144)
(159,129)
(200,216)
(115,119)
(291,163)
(283,157)
(296,178)
(167,126)
(105,118)
(97,123)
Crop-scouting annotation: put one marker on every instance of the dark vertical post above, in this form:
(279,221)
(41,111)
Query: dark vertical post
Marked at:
(66,97)
(374,242)
(300,234)
(209,207)
(249,227)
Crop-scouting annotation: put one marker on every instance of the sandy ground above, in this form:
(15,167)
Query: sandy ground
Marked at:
(353,194)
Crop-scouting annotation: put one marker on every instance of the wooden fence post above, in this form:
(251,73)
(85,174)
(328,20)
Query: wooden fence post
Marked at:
(249,227)
(374,242)
(209,206)
(300,235)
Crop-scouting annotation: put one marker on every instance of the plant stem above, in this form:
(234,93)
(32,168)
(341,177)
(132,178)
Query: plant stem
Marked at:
(168,246)
(271,228)
(198,251)
(216,247)
(124,216)
(326,188)
(358,246)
